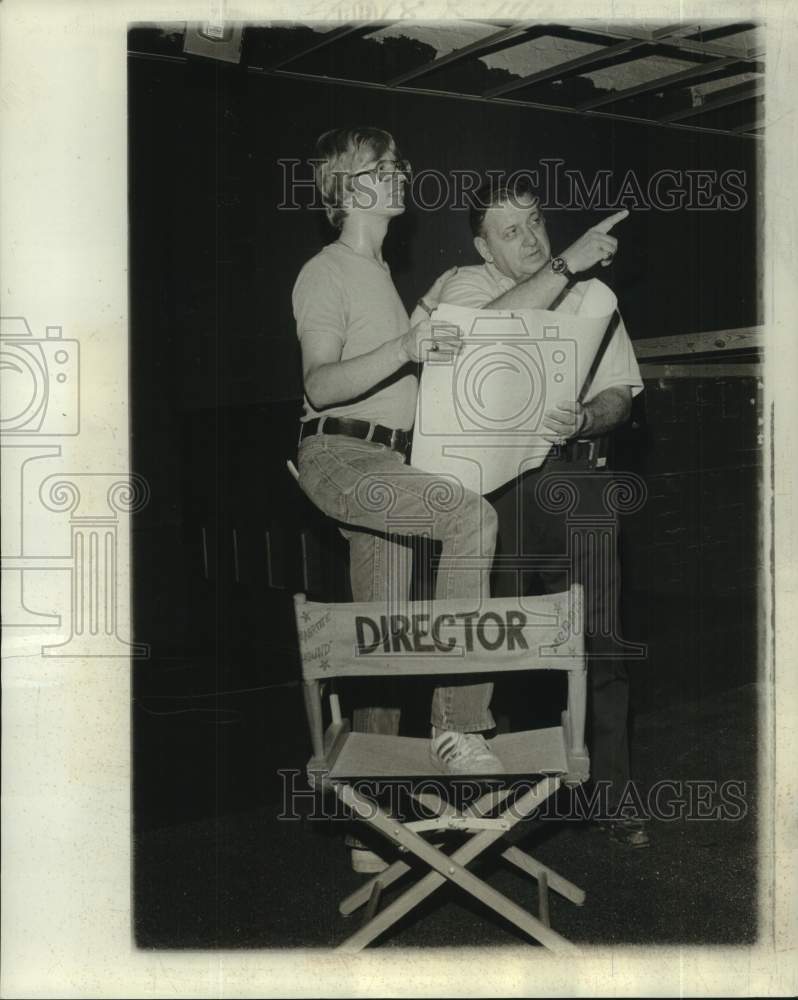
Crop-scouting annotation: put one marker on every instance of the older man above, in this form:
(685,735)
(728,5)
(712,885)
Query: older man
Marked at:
(519,272)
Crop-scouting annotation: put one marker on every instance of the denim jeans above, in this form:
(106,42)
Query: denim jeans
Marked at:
(378,501)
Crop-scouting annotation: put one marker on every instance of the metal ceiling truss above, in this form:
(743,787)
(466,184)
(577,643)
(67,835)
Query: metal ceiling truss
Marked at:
(688,46)
(331,38)
(615,42)
(749,126)
(653,86)
(505,38)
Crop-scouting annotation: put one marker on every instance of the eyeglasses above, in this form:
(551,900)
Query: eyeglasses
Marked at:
(385,168)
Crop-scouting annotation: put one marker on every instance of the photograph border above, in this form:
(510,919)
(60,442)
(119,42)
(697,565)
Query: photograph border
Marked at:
(66,761)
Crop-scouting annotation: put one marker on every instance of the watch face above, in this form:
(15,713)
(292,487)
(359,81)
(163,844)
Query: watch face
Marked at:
(558,264)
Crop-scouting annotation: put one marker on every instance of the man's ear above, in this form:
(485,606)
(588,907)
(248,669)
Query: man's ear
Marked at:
(482,249)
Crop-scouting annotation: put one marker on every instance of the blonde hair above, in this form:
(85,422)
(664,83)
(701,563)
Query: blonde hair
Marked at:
(341,152)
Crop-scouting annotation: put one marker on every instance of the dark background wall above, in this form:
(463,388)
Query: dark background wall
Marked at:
(227,537)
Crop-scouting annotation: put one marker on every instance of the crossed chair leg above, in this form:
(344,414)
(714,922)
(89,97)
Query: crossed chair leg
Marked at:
(486,830)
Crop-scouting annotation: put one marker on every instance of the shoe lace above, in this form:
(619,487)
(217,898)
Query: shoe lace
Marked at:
(464,745)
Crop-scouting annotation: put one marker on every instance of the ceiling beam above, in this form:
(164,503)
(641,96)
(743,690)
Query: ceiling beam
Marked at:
(725,99)
(749,126)
(672,79)
(330,38)
(470,50)
(720,50)
(479,98)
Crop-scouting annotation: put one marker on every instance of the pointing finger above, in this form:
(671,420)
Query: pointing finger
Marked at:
(606,224)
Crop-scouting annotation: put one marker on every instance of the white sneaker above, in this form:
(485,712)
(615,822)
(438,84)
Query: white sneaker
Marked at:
(463,753)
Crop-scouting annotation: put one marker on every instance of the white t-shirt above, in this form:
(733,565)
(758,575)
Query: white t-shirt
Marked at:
(352,298)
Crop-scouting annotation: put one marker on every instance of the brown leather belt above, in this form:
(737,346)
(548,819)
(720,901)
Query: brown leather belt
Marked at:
(397,440)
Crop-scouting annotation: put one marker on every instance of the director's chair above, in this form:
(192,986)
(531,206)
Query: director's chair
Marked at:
(350,640)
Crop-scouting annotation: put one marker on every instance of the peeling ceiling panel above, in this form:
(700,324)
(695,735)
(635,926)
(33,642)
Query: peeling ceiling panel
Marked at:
(444,38)
(632,74)
(537,54)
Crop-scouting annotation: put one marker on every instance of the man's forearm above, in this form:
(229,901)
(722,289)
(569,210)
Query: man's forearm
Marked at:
(536,292)
(343,381)
(608,410)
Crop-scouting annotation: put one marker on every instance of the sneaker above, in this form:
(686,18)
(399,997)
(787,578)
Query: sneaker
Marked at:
(366,862)
(463,753)
(629,832)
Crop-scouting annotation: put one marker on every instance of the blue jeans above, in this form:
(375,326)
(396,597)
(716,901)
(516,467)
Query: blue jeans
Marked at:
(378,500)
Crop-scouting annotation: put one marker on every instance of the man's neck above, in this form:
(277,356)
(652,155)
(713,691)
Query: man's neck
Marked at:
(365,235)
(498,274)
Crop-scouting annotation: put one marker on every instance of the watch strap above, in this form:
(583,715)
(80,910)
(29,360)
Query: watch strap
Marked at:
(562,268)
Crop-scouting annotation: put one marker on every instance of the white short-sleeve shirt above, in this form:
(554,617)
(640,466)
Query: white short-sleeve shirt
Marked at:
(352,299)
(476,286)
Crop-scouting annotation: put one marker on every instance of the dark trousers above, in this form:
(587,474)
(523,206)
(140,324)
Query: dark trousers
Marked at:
(556,527)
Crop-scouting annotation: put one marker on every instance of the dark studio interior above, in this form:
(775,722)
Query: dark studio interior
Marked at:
(227,537)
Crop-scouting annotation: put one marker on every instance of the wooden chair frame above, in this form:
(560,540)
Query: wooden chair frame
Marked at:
(530,633)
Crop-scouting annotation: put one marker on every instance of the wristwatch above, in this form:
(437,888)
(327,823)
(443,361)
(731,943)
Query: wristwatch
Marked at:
(560,266)
(428,309)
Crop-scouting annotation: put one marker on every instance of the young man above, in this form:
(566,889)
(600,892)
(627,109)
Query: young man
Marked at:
(519,272)
(359,354)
